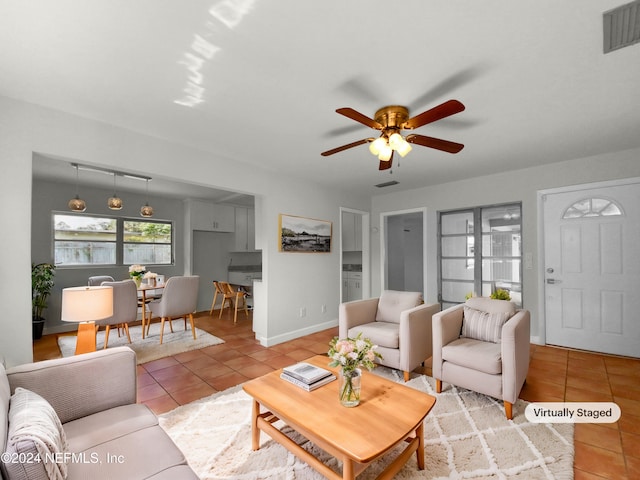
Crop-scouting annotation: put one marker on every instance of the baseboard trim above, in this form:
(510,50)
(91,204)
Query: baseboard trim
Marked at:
(285,337)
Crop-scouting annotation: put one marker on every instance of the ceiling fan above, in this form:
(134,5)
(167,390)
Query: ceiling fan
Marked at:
(391,120)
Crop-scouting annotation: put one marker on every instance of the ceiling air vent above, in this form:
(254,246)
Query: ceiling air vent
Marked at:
(621,26)
(386,184)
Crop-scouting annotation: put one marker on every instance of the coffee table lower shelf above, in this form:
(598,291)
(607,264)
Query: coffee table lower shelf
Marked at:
(350,468)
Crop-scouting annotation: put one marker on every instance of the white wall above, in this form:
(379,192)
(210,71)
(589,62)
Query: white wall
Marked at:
(520,185)
(290,281)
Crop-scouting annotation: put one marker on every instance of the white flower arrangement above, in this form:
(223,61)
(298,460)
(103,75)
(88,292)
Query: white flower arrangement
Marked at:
(150,275)
(137,271)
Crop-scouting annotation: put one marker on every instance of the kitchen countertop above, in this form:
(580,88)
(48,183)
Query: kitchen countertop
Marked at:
(351,267)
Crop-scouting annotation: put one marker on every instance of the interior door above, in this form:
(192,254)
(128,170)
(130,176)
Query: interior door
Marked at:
(592,269)
(403,251)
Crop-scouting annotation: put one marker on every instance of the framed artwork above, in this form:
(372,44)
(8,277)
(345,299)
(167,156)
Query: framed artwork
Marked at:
(304,235)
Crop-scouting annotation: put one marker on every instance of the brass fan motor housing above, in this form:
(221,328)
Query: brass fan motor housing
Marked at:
(392,116)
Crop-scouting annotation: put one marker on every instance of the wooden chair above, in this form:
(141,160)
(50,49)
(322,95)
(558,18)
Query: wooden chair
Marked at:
(217,290)
(234,297)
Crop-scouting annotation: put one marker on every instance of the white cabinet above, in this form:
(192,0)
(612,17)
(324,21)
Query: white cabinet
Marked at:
(351,286)
(351,232)
(212,217)
(245,229)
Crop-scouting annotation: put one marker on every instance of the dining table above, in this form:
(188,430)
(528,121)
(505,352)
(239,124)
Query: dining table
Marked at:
(145,289)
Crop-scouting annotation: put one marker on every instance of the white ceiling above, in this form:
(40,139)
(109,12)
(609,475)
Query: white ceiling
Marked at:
(267,77)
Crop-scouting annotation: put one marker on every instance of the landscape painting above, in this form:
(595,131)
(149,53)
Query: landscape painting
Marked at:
(307,235)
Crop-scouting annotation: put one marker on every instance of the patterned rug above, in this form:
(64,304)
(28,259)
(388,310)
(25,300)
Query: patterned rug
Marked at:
(149,349)
(466,436)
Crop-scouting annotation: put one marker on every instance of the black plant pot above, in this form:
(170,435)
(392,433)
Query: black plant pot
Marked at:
(37,325)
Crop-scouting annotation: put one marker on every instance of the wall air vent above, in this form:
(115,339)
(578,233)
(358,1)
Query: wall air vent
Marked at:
(621,26)
(386,184)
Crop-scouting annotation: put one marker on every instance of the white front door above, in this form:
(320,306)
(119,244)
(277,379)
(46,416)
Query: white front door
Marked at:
(592,269)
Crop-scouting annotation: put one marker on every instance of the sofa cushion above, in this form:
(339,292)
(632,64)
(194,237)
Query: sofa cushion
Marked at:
(392,303)
(87,432)
(383,334)
(475,354)
(128,439)
(486,304)
(35,434)
(483,326)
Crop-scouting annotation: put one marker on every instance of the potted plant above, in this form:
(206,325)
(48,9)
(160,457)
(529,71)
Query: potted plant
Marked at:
(41,286)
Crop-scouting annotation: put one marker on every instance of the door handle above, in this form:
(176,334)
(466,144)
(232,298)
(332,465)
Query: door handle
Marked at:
(552,281)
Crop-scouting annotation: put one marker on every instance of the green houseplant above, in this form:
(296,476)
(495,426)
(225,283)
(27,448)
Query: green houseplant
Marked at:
(501,294)
(41,285)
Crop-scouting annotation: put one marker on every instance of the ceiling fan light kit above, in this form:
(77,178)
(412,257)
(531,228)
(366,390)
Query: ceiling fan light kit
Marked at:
(391,120)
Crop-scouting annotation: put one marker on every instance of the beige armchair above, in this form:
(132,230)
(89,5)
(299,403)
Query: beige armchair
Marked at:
(482,345)
(398,322)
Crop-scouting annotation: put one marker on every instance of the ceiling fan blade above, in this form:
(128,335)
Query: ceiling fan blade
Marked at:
(438,144)
(345,147)
(359,117)
(386,165)
(443,110)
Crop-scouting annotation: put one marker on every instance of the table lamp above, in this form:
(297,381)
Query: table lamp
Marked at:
(85,305)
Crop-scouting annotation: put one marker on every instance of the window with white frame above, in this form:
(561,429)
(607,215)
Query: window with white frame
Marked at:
(83,240)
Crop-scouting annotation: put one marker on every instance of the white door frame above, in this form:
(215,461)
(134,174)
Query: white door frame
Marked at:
(542,338)
(383,252)
(366,252)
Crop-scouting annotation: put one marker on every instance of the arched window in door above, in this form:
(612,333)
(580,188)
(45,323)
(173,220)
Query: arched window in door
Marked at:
(592,207)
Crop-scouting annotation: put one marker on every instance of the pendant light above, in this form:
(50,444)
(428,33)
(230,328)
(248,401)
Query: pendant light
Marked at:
(146,210)
(115,202)
(76,204)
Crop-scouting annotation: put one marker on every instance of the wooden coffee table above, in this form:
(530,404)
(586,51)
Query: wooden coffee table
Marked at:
(389,414)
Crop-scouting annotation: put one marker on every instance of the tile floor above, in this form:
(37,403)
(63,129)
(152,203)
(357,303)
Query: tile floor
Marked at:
(602,451)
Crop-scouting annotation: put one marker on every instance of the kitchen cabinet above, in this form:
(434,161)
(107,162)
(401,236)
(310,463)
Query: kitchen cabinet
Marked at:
(244,278)
(245,229)
(212,217)
(351,231)
(351,286)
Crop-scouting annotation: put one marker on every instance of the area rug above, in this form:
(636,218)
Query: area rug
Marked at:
(466,436)
(149,349)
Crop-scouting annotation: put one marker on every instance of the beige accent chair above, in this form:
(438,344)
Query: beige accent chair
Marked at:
(179,299)
(125,308)
(398,322)
(497,369)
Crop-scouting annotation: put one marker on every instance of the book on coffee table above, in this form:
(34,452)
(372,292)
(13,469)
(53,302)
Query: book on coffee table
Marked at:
(306,373)
(308,386)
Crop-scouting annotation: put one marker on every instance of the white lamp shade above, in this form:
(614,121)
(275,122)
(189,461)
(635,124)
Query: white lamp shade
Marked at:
(86,304)
(377,145)
(385,153)
(404,148)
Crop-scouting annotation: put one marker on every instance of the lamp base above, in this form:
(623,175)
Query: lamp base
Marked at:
(86,338)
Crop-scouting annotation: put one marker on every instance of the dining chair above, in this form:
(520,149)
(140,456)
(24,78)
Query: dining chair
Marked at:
(97,280)
(125,308)
(217,290)
(179,299)
(235,296)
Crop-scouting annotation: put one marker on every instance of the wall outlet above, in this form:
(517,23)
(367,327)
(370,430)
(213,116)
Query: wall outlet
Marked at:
(323,308)
(303,312)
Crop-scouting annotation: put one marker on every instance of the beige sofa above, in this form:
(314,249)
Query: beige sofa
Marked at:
(107,434)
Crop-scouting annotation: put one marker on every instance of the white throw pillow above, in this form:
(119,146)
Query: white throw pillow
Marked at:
(36,444)
(483,325)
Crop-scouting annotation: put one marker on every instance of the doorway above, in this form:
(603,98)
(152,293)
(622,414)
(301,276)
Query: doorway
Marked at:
(403,250)
(354,255)
(592,267)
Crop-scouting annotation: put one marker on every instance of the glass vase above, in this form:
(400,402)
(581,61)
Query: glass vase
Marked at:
(349,388)
(138,281)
